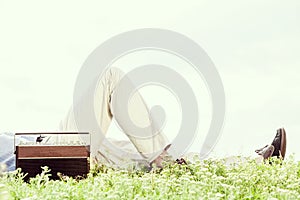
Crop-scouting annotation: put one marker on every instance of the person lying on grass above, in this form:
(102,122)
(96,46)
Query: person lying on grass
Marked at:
(151,148)
(276,149)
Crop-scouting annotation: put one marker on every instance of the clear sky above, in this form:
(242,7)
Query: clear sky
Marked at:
(255,46)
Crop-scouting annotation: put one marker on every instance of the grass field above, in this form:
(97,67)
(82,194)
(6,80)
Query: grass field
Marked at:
(209,179)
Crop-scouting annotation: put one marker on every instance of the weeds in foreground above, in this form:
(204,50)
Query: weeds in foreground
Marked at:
(209,179)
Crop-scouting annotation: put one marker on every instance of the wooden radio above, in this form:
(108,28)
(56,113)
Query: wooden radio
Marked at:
(69,158)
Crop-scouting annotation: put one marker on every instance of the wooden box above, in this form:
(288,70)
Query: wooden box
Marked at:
(70,160)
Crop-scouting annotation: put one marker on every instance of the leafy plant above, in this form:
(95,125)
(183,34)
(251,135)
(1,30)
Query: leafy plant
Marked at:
(209,179)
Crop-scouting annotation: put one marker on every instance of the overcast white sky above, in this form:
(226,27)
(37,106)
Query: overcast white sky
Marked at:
(255,46)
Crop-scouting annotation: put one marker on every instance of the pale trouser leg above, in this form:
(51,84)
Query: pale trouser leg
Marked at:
(149,148)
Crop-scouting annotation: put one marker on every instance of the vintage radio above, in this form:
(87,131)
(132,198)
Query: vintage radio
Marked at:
(66,153)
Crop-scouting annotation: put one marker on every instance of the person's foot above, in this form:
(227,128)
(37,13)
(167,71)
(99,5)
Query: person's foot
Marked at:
(159,160)
(266,152)
(277,148)
(279,143)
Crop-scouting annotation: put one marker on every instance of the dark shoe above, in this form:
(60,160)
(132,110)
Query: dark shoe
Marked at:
(181,161)
(279,143)
(266,151)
